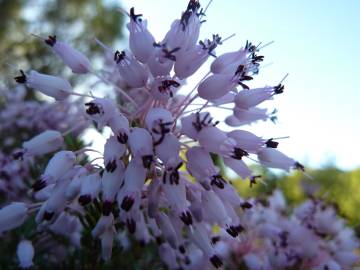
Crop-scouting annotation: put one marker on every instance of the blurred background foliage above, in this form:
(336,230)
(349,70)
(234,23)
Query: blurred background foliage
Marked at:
(76,21)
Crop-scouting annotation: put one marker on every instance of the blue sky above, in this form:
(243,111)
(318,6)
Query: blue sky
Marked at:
(317,43)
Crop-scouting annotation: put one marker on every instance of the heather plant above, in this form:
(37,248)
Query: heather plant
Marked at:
(159,181)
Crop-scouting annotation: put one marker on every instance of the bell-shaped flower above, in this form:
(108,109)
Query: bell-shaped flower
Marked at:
(74,186)
(140,39)
(110,182)
(25,253)
(228,62)
(107,240)
(62,161)
(191,60)
(43,143)
(119,125)
(49,85)
(251,115)
(90,187)
(213,208)
(133,73)
(134,179)
(246,140)
(71,57)
(162,60)
(102,110)
(167,229)
(192,124)
(113,151)
(104,223)
(163,88)
(142,232)
(141,145)
(216,86)
(246,99)
(12,216)
(159,122)
(168,256)
(239,167)
(272,158)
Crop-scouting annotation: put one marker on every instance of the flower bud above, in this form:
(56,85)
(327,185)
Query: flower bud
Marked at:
(71,57)
(25,253)
(44,143)
(12,216)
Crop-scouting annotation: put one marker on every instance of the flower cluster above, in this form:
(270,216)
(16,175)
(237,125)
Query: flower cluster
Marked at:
(312,237)
(158,181)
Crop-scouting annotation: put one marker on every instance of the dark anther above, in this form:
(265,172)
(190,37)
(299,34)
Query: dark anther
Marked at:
(205,122)
(279,89)
(164,129)
(299,166)
(147,160)
(51,40)
(159,45)
(193,5)
(253,179)
(182,249)
(92,108)
(174,177)
(283,239)
(107,208)
(216,261)
(250,47)
(165,86)
(215,239)
(246,205)
(5,175)
(218,181)
(111,166)
(159,240)
(239,153)
(211,45)
(38,185)
(101,172)
(186,218)
(131,225)
(119,56)
(235,230)
(18,155)
(127,203)
(271,144)
(240,69)
(169,54)
(122,138)
(48,215)
(21,78)
(84,199)
(134,16)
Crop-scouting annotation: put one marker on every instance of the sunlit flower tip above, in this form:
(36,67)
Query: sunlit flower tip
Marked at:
(228,62)
(216,86)
(272,158)
(119,125)
(90,187)
(49,85)
(71,57)
(133,73)
(12,216)
(163,88)
(140,40)
(102,225)
(44,143)
(101,110)
(191,60)
(25,254)
(141,145)
(167,229)
(247,141)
